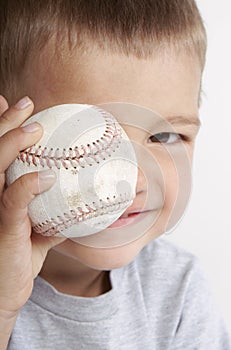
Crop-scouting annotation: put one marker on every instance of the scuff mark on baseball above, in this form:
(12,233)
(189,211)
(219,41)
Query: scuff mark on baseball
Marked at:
(96,170)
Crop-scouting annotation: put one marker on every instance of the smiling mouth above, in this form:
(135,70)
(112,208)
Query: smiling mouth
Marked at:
(128,218)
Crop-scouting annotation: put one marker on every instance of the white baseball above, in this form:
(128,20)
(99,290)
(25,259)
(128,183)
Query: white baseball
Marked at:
(95,165)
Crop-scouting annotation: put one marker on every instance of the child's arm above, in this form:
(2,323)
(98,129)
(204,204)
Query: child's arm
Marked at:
(7,322)
(21,254)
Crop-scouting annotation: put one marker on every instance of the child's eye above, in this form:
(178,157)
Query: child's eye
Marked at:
(165,137)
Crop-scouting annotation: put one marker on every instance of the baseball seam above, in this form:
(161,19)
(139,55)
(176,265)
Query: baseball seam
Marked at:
(56,225)
(80,156)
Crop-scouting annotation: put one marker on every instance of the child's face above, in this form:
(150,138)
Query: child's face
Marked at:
(166,84)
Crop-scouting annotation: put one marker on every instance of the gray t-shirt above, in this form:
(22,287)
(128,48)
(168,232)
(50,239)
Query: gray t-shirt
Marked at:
(160,301)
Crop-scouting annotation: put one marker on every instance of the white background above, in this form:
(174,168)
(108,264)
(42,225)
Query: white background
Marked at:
(206,227)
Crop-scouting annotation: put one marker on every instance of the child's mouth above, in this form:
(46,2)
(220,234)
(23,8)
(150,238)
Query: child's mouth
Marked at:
(128,219)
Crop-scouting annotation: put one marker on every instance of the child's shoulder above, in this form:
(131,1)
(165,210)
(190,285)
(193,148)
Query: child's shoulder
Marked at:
(163,252)
(164,263)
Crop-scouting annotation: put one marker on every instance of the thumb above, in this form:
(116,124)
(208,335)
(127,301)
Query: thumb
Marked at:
(40,247)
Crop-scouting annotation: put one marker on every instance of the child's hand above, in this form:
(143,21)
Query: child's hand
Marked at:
(21,254)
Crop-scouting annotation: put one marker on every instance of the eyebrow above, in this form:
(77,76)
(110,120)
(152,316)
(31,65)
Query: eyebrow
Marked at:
(184,121)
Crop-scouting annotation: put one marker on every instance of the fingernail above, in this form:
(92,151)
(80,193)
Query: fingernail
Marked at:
(33,127)
(47,175)
(23,103)
(46,179)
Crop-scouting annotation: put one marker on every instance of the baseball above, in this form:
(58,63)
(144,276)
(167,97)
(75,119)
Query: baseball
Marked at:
(95,165)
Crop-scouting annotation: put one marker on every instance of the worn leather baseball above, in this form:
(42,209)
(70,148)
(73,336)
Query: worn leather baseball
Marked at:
(95,165)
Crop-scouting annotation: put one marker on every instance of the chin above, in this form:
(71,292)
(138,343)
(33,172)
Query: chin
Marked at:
(111,263)
(100,258)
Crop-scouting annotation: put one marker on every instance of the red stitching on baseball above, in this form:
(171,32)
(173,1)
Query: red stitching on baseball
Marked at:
(79,156)
(56,225)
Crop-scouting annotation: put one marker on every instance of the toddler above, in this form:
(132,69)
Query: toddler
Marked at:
(57,293)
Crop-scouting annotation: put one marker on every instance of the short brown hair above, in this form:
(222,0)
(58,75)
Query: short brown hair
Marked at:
(132,27)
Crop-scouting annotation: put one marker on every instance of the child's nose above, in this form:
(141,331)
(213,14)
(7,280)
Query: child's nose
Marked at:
(141,185)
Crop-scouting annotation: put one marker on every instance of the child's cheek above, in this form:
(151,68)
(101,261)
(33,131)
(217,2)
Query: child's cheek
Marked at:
(175,164)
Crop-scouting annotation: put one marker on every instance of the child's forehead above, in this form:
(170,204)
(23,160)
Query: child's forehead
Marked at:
(158,82)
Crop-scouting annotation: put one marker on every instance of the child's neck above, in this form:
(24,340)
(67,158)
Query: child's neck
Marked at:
(70,277)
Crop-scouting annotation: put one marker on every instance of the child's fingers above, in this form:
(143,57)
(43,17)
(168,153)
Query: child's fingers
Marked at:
(16,198)
(3,104)
(15,141)
(15,115)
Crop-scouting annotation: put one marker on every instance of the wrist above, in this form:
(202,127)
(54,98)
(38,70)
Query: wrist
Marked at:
(8,315)
(7,322)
